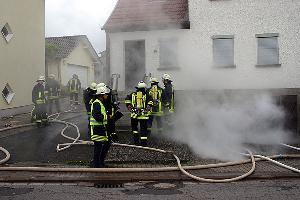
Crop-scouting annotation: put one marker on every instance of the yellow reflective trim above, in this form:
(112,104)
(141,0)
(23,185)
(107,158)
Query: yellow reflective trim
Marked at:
(144,138)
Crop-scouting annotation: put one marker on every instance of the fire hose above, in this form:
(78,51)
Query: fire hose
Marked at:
(76,141)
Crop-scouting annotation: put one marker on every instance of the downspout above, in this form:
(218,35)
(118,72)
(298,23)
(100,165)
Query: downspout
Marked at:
(107,75)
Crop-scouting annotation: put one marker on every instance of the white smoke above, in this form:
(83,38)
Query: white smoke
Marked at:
(220,126)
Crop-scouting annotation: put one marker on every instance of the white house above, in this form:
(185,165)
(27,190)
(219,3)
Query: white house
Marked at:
(208,44)
(73,55)
(22,53)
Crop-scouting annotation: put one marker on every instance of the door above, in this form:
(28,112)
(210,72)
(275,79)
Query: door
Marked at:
(134,63)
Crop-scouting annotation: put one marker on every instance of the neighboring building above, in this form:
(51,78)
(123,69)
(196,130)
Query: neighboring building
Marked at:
(22,52)
(206,44)
(73,55)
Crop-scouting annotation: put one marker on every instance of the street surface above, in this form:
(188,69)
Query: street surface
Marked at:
(258,189)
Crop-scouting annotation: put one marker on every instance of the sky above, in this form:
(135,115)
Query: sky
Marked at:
(79,17)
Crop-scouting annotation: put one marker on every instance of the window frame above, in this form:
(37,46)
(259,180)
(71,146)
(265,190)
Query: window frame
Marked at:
(224,37)
(174,64)
(8,35)
(10,95)
(267,35)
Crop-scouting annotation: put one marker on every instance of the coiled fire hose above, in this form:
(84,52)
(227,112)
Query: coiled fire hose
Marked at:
(76,141)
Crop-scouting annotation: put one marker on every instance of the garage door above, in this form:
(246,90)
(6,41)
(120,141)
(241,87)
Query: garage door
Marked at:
(81,71)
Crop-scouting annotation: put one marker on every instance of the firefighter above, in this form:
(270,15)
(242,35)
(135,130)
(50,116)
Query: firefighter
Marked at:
(53,92)
(74,86)
(168,98)
(139,103)
(157,94)
(39,101)
(111,106)
(88,98)
(98,123)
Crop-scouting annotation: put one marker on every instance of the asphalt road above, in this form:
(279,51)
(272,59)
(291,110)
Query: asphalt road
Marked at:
(257,189)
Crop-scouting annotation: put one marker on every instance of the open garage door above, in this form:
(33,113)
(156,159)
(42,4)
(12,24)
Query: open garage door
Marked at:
(81,71)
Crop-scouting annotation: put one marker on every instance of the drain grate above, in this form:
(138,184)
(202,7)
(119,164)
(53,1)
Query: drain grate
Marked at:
(109,185)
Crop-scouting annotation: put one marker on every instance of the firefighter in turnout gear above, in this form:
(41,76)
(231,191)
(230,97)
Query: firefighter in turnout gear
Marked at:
(157,94)
(53,92)
(112,109)
(88,98)
(168,99)
(39,112)
(139,103)
(74,86)
(98,123)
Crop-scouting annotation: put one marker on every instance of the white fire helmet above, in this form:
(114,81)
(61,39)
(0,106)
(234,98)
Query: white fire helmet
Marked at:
(93,86)
(166,77)
(153,80)
(41,78)
(102,90)
(101,85)
(141,84)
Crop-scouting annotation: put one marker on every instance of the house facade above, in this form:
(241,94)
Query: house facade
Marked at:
(22,52)
(73,55)
(207,44)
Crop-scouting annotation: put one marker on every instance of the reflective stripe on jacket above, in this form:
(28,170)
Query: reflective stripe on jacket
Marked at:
(98,128)
(156,93)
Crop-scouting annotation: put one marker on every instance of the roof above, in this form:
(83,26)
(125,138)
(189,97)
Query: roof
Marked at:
(66,44)
(132,15)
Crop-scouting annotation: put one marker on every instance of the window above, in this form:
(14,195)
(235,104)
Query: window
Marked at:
(8,93)
(223,50)
(6,32)
(267,49)
(168,54)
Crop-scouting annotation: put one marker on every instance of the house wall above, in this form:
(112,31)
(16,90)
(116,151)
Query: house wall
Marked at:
(22,60)
(243,19)
(79,56)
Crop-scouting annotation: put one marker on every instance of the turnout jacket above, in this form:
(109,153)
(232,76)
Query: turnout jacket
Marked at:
(74,85)
(52,89)
(157,94)
(168,98)
(98,122)
(88,98)
(140,103)
(38,94)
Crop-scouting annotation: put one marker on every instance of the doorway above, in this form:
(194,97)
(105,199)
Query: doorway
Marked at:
(134,63)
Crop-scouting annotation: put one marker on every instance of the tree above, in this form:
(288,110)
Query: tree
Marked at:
(50,55)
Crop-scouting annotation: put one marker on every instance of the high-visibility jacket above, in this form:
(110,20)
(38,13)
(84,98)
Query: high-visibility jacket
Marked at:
(156,93)
(74,85)
(139,102)
(38,94)
(169,97)
(98,122)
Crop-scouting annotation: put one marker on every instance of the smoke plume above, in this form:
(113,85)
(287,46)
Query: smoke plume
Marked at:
(220,126)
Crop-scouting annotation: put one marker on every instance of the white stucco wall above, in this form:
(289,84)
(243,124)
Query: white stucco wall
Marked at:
(243,19)
(22,59)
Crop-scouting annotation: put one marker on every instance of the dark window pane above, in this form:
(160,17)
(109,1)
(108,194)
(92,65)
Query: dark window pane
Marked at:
(168,53)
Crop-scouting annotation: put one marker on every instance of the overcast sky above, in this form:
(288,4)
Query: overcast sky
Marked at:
(79,17)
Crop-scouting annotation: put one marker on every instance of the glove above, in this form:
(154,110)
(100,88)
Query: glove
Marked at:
(129,107)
